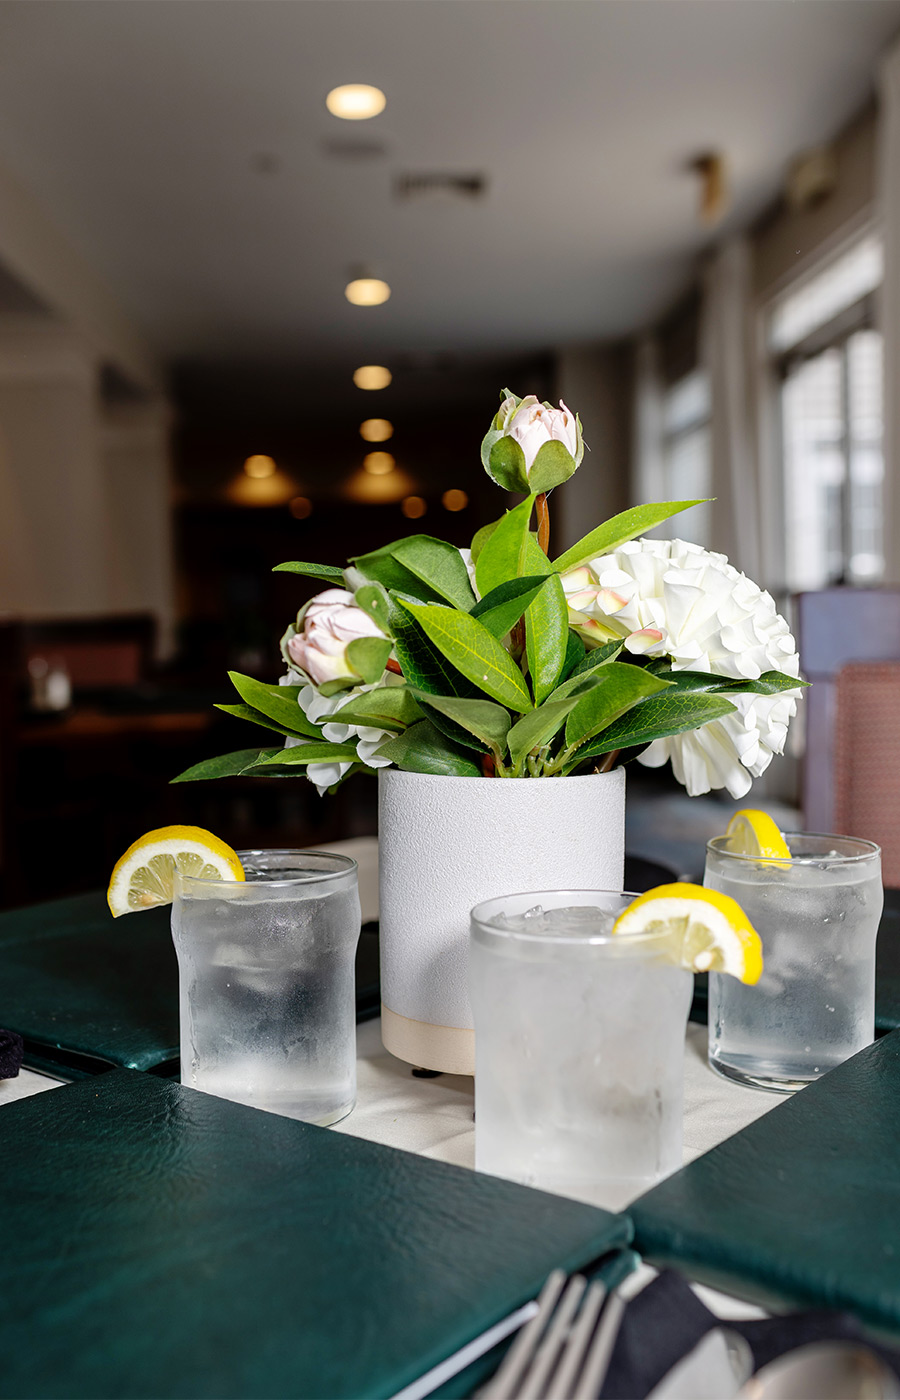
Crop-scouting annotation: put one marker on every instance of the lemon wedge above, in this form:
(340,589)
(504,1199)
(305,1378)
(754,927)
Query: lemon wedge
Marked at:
(704,931)
(754,833)
(145,874)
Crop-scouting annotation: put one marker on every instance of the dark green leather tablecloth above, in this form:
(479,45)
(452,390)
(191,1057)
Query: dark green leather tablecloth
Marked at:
(802,1208)
(87,991)
(160,1242)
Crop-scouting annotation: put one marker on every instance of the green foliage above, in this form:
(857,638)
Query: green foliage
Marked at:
(277,702)
(618,531)
(504,605)
(471,681)
(424,749)
(328,572)
(475,652)
(505,552)
(422,567)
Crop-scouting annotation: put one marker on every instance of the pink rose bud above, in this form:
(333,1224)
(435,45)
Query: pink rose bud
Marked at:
(331,621)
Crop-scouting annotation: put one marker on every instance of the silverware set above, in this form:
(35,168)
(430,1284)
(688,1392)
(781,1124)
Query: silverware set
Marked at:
(563,1353)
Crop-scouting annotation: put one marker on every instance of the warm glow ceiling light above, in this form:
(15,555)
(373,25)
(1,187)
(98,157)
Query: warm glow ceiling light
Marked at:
(355,102)
(414,507)
(300,507)
(260,467)
(376,430)
(379,463)
(367,291)
(455,500)
(371,377)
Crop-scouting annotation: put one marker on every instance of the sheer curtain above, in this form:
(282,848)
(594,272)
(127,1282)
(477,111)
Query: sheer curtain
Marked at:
(726,351)
(889,200)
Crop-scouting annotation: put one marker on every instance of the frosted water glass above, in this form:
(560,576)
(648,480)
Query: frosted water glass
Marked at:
(814,1006)
(266,976)
(579,1047)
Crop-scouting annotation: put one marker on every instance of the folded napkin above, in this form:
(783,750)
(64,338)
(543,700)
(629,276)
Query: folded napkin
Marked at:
(666,1320)
(11,1051)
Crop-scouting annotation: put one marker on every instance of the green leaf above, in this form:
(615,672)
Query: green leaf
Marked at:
(575,655)
(553,464)
(481,537)
(368,656)
(618,531)
(386,707)
(507,465)
(619,687)
(226,765)
(423,749)
(323,571)
(278,702)
(426,568)
(537,728)
(373,598)
(600,656)
(247,712)
(698,682)
(302,754)
(475,652)
(547,634)
(501,609)
(659,717)
(503,556)
(423,664)
(487,722)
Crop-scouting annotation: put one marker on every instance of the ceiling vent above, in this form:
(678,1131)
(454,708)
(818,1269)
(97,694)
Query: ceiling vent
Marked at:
(436,188)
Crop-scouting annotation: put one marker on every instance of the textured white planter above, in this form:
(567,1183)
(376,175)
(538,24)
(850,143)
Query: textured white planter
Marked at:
(445,844)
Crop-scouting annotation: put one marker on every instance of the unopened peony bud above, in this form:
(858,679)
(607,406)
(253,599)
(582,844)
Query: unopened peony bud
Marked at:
(532,446)
(329,624)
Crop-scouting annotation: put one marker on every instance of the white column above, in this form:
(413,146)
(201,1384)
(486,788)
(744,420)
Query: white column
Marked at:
(726,351)
(134,445)
(889,202)
(53,518)
(594,383)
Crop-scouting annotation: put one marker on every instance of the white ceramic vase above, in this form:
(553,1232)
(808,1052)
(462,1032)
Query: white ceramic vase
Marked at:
(447,843)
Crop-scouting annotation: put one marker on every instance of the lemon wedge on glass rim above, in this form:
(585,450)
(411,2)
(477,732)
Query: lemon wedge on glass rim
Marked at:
(145,874)
(754,833)
(702,930)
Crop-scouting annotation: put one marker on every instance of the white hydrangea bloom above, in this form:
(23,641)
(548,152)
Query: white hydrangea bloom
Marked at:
(708,617)
(316,707)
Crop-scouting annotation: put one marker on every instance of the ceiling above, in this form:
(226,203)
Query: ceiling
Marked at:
(186,150)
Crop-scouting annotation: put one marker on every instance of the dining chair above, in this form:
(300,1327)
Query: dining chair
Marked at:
(849,642)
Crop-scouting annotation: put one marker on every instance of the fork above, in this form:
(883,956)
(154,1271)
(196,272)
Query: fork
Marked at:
(564,1352)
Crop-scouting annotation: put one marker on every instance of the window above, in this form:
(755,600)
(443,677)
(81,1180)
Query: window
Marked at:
(686,454)
(828,358)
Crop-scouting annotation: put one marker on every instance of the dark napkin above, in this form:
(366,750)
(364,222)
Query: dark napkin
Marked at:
(12,1048)
(666,1320)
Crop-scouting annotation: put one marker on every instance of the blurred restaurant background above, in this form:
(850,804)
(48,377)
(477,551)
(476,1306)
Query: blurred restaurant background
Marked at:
(682,217)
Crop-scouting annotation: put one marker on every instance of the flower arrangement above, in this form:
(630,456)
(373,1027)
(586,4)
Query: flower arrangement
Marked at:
(500,662)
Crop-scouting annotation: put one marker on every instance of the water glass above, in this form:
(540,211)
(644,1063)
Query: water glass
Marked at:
(579,1046)
(266,974)
(814,1006)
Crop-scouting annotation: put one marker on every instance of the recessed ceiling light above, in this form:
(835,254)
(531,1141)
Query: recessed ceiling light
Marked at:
(455,500)
(376,430)
(367,291)
(372,377)
(379,463)
(414,507)
(355,102)
(260,467)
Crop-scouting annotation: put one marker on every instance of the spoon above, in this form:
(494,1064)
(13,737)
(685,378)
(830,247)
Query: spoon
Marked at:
(824,1371)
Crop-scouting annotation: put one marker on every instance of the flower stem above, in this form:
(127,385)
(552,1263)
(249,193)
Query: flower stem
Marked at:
(543,520)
